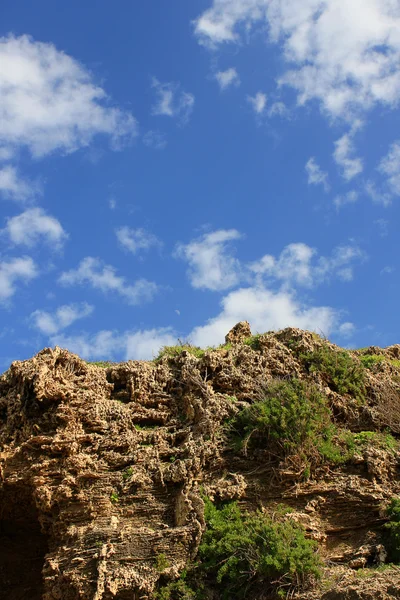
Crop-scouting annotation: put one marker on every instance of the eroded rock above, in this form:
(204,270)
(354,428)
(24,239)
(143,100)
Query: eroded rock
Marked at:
(102,469)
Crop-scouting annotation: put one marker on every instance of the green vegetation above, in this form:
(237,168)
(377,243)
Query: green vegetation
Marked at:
(290,417)
(162,562)
(177,590)
(102,363)
(239,551)
(393,530)
(372,571)
(253,341)
(173,351)
(384,441)
(114,497)
(139,427)
(370,360)
(342,372)
(127,473)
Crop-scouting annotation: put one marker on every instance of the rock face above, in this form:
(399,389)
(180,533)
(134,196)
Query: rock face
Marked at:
(101,469)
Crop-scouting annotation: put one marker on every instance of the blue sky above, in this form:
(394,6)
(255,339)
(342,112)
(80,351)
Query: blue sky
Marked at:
(170,168)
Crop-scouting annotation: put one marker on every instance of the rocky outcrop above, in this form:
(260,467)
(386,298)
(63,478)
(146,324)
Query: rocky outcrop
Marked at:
(101,468)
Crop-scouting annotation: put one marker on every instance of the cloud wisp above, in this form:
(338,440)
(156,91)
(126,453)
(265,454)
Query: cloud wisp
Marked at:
(227,79)
(172,101)
(91,271)
(14,187)
(136,240)
(316,176)
(51,323)
(14,270)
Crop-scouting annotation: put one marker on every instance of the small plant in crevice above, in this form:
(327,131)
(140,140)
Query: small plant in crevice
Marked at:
(162,562)
(393,531)
(341,372)
(127,473)
(114,497)
(241,551)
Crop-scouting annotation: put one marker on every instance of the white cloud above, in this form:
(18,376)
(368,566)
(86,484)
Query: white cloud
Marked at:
(34,225)
(390,166)
(146,344)
(155,139)
(108,345)
(346,329)
(49,101)
(227,78)
(293,264)
(172,101)
(135,240)
(296,265)
(258,102)
(102,345)
(104,278)
(348,198)
(210,264)
(377,195)
(316,176)
(14,187)
(344,54)
(265,310)
(344,148)
(16,269)
(63,317)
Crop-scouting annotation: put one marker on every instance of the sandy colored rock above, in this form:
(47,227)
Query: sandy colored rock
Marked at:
(102,469)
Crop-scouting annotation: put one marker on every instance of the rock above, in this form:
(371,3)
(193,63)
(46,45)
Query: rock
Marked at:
(102,470)
(238,333)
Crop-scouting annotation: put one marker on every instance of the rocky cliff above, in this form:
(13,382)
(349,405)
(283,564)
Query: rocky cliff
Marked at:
(105,468)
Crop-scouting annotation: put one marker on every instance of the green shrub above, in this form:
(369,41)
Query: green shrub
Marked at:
(162,562)
(337,446)
(393,530)
(253,341)
(175,590)
(370,360)
(341,446)
(384,441)
(289,416)
(342,372)
(239,551)
(173,351)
